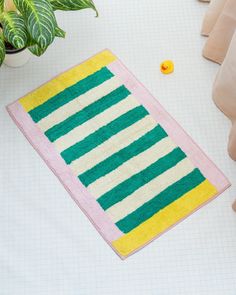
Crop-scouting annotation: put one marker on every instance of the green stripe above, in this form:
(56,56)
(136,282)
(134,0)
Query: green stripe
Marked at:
(104,133)
(70,93)
(166,197)
(136,181)
(117,159)
(87,113)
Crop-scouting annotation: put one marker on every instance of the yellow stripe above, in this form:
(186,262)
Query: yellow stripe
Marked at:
(165,218)
(65,80)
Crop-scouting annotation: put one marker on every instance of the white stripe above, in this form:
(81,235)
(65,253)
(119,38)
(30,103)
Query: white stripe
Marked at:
(113,145)
(149,190)
(78,103)
(90,126)
(131,167)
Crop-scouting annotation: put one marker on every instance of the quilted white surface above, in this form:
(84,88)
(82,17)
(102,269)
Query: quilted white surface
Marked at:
(47,245)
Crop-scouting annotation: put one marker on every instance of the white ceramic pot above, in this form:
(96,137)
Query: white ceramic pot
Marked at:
(17,58)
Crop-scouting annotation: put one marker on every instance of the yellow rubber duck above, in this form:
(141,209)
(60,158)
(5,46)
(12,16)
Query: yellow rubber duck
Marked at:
(167,67)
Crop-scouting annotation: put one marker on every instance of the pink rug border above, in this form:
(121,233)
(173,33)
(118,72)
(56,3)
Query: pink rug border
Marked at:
(76,189)
(72,184)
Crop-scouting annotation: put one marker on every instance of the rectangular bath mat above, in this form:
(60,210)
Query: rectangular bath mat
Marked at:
(124,160)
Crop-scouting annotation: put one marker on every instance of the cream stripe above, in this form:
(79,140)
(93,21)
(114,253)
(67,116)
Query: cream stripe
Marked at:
(149,190)
(110,114)
(79,103)
(113,145)
(131,167)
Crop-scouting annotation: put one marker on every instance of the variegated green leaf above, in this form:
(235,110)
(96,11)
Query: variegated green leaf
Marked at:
(2,50)
(73,5)
(14,29)
(36,50)
(40,20)
(60,33)
(1,5)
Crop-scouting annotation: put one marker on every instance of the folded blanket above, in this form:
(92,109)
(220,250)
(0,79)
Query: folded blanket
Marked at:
(224,93)
(212,15)
(221,35)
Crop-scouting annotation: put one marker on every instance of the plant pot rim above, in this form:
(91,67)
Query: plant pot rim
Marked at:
(14,51)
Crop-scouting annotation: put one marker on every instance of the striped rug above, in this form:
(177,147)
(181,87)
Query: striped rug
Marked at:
(124,160)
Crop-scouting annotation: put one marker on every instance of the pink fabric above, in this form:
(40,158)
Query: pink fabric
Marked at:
(72,184)
(212,15)
(217,44)
(224,93)
(179,136)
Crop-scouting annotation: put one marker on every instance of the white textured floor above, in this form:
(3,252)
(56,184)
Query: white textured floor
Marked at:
(47,245)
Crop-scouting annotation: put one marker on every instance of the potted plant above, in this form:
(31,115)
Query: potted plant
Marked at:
(32,25)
